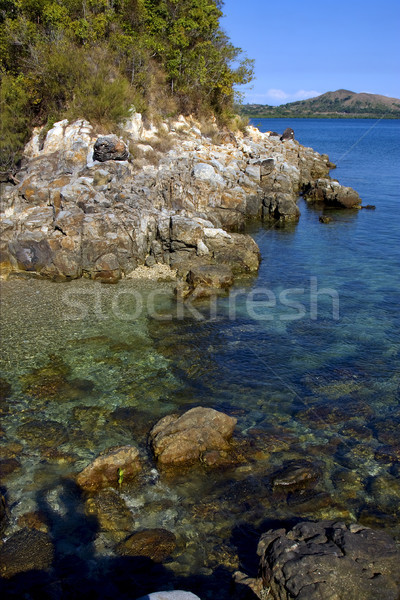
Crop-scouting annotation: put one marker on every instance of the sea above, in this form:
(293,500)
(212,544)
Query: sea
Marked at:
(305,355)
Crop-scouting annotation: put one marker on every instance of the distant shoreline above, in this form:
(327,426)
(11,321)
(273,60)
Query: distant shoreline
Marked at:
(328,117)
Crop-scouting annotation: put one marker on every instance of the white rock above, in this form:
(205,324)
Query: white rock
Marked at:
(174,595)
(133,125)
(206,172)
(212,232)
(254,172)
(202,249)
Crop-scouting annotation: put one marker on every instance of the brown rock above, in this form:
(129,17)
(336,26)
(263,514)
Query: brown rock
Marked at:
(106,469)
(156,544)
(178,440)
(26,550)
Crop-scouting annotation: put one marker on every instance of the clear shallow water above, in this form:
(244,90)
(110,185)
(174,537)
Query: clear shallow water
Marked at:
(316,381)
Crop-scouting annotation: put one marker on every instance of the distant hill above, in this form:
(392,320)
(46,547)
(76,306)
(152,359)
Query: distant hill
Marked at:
(332,105)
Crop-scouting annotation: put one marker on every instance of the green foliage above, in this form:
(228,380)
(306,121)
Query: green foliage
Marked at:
(14,122)
(95,58)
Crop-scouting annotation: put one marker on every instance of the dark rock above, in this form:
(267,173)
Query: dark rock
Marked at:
(369,206)
(288,134)
(296,476)
(280,207)
(110,148)
(4,513)
(324,219)
(331,193)
(8,466)
(329,560)
(5,392)
(111,512)
(26,550)
(43,434)
(156,544)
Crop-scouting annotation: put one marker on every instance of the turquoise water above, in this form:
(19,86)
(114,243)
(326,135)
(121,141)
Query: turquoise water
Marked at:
(306,356)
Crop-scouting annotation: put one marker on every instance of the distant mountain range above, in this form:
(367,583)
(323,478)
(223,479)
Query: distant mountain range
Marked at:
(332,105)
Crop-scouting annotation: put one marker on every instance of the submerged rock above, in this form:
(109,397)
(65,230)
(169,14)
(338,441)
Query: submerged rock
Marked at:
(26,550)
(156,544)
(111,467)
(329,560)
(43,434)
(111,512)
(186,439)
(298,475)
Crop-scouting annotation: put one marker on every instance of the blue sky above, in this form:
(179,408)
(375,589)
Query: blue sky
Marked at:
(304,48)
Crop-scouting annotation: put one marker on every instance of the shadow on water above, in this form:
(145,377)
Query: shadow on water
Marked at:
(78,572)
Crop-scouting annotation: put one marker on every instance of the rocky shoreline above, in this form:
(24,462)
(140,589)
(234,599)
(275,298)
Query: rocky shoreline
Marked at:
(100,206)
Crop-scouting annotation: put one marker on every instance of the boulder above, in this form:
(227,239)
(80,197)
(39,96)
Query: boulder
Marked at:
(288,134)
(324,219)
(186,439)
(110,147)
(331,193)
(328,559)
(156,544)
(109,467)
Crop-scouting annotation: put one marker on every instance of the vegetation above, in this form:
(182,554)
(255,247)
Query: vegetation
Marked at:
(96,58)
(339,104)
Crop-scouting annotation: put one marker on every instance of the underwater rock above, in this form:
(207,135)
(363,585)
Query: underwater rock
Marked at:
(4,513)
(184,439)
(26,550)
(327,559)
(8,466)
(297,475)
(156,544)
(48,381)
(324,219)
(43,434)
(114,464)
(5,392)
(111,512)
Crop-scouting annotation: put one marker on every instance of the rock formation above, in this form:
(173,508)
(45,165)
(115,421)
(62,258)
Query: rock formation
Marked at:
(80,208)
(326,559)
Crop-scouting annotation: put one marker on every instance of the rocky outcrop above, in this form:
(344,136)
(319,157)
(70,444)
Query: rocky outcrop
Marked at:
(329,560)
(110,468)
(330,193)
(80,208)
(196,435)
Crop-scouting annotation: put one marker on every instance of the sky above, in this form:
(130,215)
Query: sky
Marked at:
(303,48)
